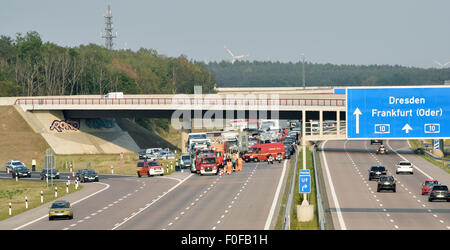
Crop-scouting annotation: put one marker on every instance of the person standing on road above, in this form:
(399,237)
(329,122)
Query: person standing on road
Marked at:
(235,156)
(229,166)
(240,161)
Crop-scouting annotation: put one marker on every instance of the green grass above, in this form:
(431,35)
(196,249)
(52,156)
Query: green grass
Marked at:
(279,223)
(102,163)
(298,198)
(15,192)
(415,144)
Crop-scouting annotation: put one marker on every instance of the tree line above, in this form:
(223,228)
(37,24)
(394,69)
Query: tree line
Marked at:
(30,67)
(265,74)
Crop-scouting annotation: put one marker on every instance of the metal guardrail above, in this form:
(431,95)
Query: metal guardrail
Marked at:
(320,210)
(437,158)
(178,101)
(289,205)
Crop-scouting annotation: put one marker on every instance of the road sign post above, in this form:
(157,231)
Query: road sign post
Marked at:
(305,212)
(304,184)
(398,112)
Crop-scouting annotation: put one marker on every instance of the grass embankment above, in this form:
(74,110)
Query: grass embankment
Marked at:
(102,163)
(298,198)
(279,223)
(15,192)
(18,140)
(416,144)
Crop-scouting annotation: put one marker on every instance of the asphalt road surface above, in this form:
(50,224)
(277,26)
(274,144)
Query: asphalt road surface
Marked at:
(241,200)
(354,201)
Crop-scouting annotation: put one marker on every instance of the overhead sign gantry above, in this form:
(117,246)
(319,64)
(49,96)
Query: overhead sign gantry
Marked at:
(398,112)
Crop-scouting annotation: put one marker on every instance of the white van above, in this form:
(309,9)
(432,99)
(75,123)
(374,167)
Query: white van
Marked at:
(114,95)
(270,125)
(315,127)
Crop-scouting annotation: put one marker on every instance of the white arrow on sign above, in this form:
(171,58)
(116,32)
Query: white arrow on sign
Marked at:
(407,128)
(357,113)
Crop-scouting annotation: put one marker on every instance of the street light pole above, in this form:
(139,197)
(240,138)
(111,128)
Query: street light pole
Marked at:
(303,70)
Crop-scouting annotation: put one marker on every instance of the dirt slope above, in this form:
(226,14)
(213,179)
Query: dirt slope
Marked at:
(148,139)
(18,140)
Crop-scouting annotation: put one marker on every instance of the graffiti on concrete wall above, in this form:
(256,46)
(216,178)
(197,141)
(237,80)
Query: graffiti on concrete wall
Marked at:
(99,123)
(61,125)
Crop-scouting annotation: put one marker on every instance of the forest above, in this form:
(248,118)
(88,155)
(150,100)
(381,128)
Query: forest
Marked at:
(30,67)
(265,74)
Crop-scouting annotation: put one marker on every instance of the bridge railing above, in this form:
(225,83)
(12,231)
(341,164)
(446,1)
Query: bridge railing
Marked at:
(178,101)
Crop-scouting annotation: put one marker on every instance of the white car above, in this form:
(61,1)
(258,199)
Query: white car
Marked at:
(404,167)
(13,164)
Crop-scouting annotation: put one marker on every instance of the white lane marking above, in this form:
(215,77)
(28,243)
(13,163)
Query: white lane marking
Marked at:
(401,156)
(333,192)
(165,193)
(275,198)
(73,203)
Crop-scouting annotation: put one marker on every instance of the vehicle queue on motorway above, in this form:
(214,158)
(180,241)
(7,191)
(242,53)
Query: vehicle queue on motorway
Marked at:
(223,152)
(386,181)
(219,152)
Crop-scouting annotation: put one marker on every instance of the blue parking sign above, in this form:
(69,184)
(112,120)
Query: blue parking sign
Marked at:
(304,184)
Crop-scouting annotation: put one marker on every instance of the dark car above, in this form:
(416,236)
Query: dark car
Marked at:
(376,171)
(79,173)
(289,140)
(87,175)
(376,142)
(439,192)
(20,172)
(51,173)
(427,185)
(386,182)
(142,154)
(289,150)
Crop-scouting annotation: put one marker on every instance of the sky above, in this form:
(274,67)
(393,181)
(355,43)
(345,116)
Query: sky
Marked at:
(360,32)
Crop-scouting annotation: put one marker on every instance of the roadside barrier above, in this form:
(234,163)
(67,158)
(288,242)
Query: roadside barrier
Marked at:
(320,212)
(289,206)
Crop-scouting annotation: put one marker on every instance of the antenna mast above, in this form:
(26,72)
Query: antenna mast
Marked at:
(108,35)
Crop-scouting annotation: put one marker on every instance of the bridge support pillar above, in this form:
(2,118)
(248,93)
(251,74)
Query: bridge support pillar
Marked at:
(338,122)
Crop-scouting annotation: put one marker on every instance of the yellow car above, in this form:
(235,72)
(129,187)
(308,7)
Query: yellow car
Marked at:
(60,209)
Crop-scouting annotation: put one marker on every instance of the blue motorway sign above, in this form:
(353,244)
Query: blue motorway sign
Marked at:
(398,112)
(304,172)
(304,184)
(338,91)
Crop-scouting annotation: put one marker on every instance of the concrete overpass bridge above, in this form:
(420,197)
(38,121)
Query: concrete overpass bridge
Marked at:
(42,113)
(325,106)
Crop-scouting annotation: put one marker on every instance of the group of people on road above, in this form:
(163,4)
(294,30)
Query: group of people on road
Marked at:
(234,163)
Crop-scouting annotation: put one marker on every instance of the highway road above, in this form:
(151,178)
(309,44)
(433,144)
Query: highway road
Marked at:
(356,205)
(242,200)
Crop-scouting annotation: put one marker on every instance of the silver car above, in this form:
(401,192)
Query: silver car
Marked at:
(13,164)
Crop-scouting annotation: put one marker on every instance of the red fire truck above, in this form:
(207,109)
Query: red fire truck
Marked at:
(149,168)
(208,165)
(261,152)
